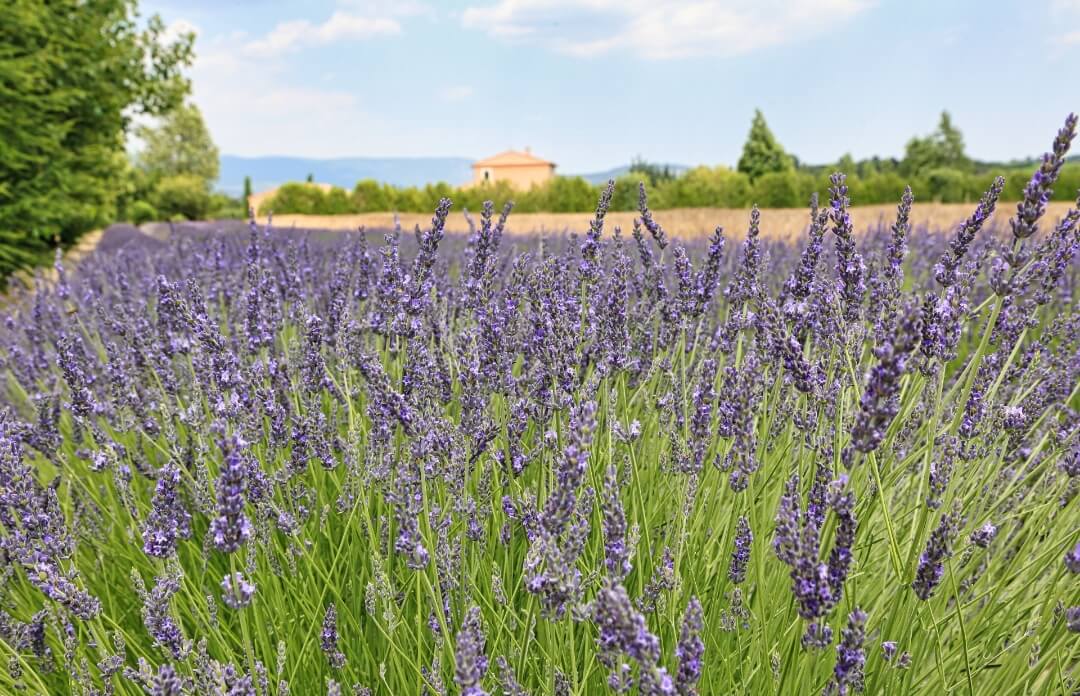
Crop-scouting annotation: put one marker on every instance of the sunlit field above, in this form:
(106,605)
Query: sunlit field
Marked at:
(261,460)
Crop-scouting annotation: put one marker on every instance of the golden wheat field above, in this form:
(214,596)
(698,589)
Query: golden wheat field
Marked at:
(684,222)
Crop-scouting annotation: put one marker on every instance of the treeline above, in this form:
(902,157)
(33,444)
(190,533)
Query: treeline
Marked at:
(936,166)
(701,187)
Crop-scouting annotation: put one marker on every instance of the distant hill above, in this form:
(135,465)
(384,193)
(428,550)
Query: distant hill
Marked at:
(268,172)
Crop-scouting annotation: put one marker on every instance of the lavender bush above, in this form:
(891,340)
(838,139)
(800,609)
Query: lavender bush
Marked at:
(271,461)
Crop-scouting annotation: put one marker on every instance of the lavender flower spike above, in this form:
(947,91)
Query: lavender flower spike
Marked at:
(236,591)
(945,270)
(850,656)
(168,519)
(1072,560)
(330,638)
(879,403)
(231,528)
(850,268)
(651,225)
(932,562)
(470,662)
(741,555)
(1038,191)
(690,649)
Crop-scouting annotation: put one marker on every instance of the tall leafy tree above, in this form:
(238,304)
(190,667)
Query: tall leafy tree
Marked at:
(762,153)
(942,149)
(180,144)
(73,75)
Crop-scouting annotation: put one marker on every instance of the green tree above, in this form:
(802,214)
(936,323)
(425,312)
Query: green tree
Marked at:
(777,190)
(650,172)
(182,195)
(762,153)
(180,144)
(942,149)
(247,188)
(72,75)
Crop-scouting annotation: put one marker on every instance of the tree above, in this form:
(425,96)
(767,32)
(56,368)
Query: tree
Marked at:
(179,145)
(184,195)
(247,189)
(762,153)
(72,75)
(942,149)
(652,173)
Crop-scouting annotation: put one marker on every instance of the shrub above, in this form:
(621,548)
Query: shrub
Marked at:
(141,212)
(777,190)
(184,194)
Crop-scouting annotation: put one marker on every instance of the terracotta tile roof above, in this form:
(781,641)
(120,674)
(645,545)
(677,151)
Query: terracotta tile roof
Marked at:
(512,158)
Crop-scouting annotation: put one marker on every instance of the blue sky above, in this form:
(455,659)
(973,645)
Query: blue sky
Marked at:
(590,84)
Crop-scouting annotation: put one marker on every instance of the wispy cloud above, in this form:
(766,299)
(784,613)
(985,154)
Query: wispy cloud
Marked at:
(1071,38)
(455,93)
(659,30)
(341,26)
(251,107)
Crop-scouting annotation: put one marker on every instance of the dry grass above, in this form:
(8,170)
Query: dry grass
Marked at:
(684,222)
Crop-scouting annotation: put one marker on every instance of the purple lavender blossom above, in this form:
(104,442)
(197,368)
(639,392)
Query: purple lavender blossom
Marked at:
(236,591)
(741,555)
(470,660)
(888,650)
(616,553)
(850,268)
(231,528)
(168,520)
(932,561)
(898,247)
(801,281)
(571,469)
(984,535)
(945,270)
(329,638)
(690,649)
(843,504)
(623,631)
(1038,191)
(1072,619)
(157,617)
(788,523)
(651,225)
(879,403)
(1072,559)
(850,656)
(166,682)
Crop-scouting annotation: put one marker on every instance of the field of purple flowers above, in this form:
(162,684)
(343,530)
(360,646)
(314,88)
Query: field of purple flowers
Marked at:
(272,461)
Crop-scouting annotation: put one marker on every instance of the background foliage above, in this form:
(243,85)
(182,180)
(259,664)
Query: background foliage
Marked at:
(73,75)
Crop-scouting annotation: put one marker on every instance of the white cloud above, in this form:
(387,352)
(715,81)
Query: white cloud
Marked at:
(341,26)
(1071,38)
(252,107)
(455,93)
(659,30)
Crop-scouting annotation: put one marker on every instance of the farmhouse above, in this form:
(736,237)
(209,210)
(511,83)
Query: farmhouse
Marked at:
(520,169)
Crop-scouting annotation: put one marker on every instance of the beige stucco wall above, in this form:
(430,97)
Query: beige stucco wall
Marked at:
(520,177)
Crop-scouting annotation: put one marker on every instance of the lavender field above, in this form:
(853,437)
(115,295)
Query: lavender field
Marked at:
(270,461)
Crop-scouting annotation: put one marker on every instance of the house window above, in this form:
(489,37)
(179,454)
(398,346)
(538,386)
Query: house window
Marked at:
(487,175)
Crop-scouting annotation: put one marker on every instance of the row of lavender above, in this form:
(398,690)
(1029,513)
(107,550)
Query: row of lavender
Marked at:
(244,463)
